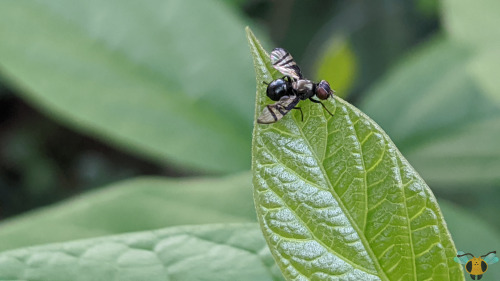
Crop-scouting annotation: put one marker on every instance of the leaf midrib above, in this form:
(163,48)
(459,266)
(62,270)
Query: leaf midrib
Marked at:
(381,273)
(362,238)
(354,265)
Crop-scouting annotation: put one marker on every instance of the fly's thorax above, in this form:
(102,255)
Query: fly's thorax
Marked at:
(304,88)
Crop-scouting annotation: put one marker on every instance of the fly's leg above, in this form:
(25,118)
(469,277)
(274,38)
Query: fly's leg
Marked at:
(301,113)
(317,101)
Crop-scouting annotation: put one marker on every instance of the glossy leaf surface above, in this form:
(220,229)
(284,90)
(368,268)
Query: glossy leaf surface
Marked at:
(336,200)
(209,252)
(131,74)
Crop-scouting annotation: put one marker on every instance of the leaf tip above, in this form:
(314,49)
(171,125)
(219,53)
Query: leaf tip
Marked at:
(250,36)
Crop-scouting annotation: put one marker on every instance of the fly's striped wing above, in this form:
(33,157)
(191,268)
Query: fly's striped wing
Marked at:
(284,63)
(274,112)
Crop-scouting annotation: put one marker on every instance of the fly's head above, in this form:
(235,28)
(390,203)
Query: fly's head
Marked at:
(323,90)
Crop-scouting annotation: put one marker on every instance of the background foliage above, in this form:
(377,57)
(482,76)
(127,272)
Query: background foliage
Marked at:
(95,92)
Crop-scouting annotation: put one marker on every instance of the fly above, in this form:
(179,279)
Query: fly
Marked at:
(291,89)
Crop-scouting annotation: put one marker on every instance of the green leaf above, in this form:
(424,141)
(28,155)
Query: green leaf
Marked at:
(210,252)
(484,68)
(336,200)
(157,78)
(438,113)
(134,205)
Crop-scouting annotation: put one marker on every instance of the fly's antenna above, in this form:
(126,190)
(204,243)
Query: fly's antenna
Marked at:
(494,252)
(265,83)
(465,255)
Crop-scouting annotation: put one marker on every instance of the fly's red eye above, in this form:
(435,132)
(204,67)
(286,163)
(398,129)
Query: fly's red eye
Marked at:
(323,90)
(322,94)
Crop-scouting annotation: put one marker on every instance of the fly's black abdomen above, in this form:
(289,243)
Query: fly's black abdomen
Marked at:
(279,88)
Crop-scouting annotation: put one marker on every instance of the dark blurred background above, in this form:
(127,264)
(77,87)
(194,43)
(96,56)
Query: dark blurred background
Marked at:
(42,161)
(425,71)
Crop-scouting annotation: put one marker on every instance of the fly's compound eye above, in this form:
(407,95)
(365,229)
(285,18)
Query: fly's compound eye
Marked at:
(277,89)
(323,90)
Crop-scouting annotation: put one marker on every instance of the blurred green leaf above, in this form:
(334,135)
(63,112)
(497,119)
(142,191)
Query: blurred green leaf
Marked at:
(137,74)
(336,199)
(134,205)
(471,233)
(338,65)
(439,115)
(210,252)
(235,3)
(429,8)
(473,22)
(485,67)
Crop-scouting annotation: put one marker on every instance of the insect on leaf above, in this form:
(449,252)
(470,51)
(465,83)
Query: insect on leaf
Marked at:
(336,200)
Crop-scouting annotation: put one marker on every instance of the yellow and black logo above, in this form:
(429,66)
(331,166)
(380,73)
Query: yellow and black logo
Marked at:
(476,266)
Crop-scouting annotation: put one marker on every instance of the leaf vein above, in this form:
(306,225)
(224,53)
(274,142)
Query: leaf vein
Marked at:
(376,163)
(313,235)
(428,249)
(366,138)
(377,182)
(421,211)
(408,223)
